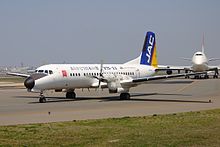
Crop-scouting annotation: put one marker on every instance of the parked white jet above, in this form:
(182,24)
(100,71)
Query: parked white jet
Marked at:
(199,64)
(118,78)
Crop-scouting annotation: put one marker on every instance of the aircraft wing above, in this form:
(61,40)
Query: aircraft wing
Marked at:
(160,77)
(214,59)
(130,82)
(170,67)
(18,74)
(214,67)
(179,68)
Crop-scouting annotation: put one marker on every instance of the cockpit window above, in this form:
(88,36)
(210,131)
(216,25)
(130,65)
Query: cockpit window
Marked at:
(46,71)
(40,70)
(36,70)
(198,54)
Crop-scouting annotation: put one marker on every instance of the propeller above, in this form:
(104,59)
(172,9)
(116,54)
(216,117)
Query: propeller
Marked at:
(100,74)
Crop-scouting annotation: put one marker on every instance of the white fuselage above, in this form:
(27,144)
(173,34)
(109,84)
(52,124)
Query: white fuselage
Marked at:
(199,62)
(72,76)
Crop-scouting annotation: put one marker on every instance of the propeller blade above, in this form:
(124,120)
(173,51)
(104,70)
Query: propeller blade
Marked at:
(100,74)
(101,68)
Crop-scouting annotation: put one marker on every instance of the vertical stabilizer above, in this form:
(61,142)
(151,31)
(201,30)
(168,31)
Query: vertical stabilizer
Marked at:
(149,54)
(203,42)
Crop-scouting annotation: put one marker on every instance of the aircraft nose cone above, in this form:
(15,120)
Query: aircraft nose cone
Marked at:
(199,62)
(29,83)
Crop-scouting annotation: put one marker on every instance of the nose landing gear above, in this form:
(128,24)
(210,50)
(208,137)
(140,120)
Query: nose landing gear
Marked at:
(42,98)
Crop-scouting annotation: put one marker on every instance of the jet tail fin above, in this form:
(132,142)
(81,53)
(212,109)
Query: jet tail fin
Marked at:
(203,42)
(149,54)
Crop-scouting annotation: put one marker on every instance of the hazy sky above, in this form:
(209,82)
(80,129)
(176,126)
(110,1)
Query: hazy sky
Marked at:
(35,32)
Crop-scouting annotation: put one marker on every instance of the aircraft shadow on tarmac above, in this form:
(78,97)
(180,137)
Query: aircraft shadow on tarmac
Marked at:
(134,97)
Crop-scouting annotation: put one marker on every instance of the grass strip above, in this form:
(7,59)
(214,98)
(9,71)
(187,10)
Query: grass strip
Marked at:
(182,129)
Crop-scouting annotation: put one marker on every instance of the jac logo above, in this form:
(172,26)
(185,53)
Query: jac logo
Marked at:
(64,73)
(149,48)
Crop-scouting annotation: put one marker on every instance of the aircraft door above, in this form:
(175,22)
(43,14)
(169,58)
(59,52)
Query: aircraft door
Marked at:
(65,79)
(137,73)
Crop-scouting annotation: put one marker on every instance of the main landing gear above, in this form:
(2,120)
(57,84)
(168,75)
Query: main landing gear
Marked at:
(125,96)
(215,76)
(206,76)
(187,76)
(71,95)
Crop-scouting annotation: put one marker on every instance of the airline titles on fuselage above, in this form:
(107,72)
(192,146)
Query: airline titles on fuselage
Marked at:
(89,68)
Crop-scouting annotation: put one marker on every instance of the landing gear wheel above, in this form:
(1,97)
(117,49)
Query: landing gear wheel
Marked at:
(42,100)
(215,76)
(206,76)
(71,95)
(125,96)
(197,77)
(187,76)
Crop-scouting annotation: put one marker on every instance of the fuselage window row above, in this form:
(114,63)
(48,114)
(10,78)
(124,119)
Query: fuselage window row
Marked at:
(105,73)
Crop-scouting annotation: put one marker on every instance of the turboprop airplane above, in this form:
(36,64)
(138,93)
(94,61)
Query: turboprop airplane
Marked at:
(118,78)
(199,64)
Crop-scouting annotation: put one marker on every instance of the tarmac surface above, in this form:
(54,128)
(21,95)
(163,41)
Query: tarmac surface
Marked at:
(17,106)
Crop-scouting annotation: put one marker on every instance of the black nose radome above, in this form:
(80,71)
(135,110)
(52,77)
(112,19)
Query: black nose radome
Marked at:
(29,83)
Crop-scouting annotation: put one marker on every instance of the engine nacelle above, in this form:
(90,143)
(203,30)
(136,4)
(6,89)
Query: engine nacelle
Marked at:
(169,72)
(117,90)
(115,87)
